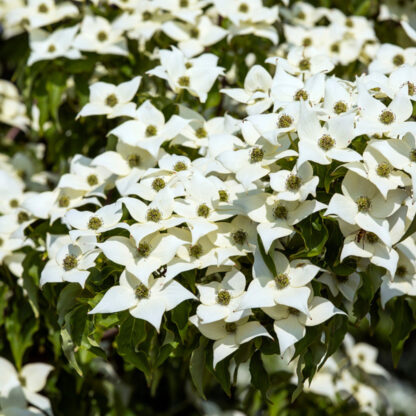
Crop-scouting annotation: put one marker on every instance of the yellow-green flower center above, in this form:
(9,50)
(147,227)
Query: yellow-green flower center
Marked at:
(144,249)
(133,160)
(305,64)
(223,195)
(371,237)
(223,297)
(384,169)
(154,215)
(63,201)
(70,262)
(22,217)
(203,210)
(14,203)
(231,327)
(102,36)
(256,155)
(184,81)
(280,212)
(92,180)
(326,142)
(285,121)
(201,133)
(340,107)
(401,271)
(158,184)
(282,280)
(387,117)
(398,59)
(51,48)
(293,182)
(301,95)
(307,42)
(94,223)
(151,130)
(243,8)
(111,100)
(43,8)
(363,204)
(141,291)
(179,166)
(195,251)
(239,236)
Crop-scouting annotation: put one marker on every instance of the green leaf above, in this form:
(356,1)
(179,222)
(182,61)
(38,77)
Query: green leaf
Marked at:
(259,376)
(69,350)
(314,234)
(266,257)
(197,366)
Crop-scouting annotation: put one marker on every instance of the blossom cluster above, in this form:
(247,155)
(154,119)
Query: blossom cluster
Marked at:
(222,196)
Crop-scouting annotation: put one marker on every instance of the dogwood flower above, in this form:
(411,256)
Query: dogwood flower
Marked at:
(228,336)
(144,301)
(390,57)
(111,100)
(347,285)
(219,300)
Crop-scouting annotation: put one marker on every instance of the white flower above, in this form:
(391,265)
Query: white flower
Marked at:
(219,300)
(290,324)
(294,185)
(99,35)
(45,46)
(286,285)
(144,301)
(111,100)
(390,57)
(229,336)
(346,285)
(196,75)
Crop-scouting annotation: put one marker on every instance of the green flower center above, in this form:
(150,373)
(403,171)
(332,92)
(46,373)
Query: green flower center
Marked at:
(371,237)
(282,280)
(280,212)
(256,155)
(194,32)
(179,166)
(293,182)
(1,242)
(307,42)
(305,64)
(301,15)
(285,121)
(223,195)
(411,88)
(14,203)
(111,100)
(146,16)
(398,59)
(231,327)
(151,130)
(70,262)
(387,117)
(412,155)
(363,204)
(195,251)
(63,201)
(243,8)
(51,48)
(349,22)
(384,169)
(326,142)
(94,223)
(201,133)
(154,215)
(102,36)
(184,81)
(144,249)
(188,65)
(293,311)
(335,47)
(184,3)
(203,210)
(301,95)
(141,291)
(239,236)
(223,297)
(92,180)
(43,8)
(401,271)
(158,184)
(22,217)
(340,107)
(133,160)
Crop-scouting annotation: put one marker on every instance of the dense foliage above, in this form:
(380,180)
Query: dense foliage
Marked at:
(208,207)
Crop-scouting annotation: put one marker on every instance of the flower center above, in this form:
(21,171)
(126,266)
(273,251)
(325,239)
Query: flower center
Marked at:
(154,215)
(70,262)
(398,59)
(401,271)
(22,217)
(412,155)
(203,210)
(223,297)
(92,180)
(63,201)
(384,169)
(293,311)
(158,184)
(285,121)
(256,155)
(305,64)
(363,203)
(1,242)
(188,65)
(387,117)
(179,166)
(133,160)
(94,223)
(301,95)
(102,36)
(231,327)
(146,16)
(151,130)
(243,8)
(194,32)
(340,107)
(195,251)
(223,195)
(293,182)
(184,81)
(282,280)
(371,237)
(43,8)
(307,42)
(411,88)
(326,142)
(184,3)
(201,133)
(144,249)
(335,47)
(14,203)
(280,212)
(349,22)
(51,48)
(239,236)
(141,291)
(111,100)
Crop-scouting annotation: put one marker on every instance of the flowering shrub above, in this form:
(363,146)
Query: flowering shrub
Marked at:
(202,196)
